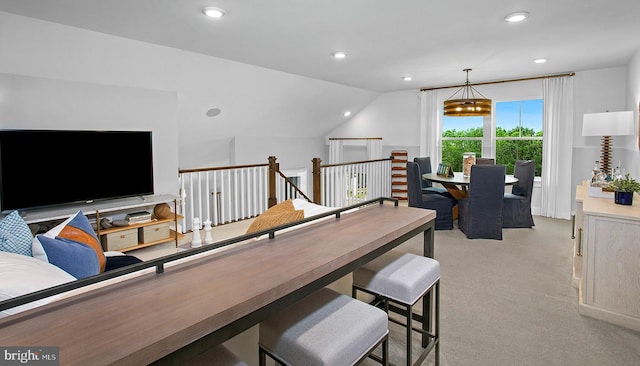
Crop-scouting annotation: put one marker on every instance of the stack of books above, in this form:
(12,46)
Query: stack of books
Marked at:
(138,217)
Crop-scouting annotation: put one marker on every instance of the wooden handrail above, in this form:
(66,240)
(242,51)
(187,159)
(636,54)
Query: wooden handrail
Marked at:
(294,186)
(355,162)
(197,170)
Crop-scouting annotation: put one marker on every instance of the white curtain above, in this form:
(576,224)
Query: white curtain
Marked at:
(429,126)
(335,151)
(374,149)
(556,147)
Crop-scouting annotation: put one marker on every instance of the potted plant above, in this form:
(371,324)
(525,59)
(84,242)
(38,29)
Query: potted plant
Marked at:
(624,189)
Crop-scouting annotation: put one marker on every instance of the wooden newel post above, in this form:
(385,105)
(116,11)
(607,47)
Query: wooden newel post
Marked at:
(317,189)
(273,168)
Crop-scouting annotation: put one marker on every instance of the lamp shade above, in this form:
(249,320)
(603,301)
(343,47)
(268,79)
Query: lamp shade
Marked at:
(467,107)
(608,124)
(467,102)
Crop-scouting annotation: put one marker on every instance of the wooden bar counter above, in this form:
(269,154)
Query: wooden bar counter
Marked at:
(194,305)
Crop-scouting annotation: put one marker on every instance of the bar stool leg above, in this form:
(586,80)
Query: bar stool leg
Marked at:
(437,324)
(426,320)
(385,352)
(409,332)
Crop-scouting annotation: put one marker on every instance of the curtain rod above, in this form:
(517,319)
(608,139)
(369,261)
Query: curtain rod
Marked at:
(355,138)
(501,81)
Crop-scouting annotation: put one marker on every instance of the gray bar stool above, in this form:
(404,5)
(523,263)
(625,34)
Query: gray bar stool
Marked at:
(325,328)
(403,279)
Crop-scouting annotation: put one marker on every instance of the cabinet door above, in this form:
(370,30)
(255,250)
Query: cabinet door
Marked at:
(612,265)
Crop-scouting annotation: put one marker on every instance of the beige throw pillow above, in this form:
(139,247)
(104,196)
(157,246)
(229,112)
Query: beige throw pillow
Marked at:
(282,213)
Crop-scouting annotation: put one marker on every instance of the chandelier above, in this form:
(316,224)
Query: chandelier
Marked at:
(467,102)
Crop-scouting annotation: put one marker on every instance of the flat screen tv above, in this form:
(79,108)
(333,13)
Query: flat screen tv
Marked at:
(40,168)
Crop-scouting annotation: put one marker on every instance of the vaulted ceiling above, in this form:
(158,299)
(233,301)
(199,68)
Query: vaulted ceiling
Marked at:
(429,40)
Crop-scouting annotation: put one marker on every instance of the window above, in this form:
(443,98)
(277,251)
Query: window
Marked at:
(519,133)
(460,135)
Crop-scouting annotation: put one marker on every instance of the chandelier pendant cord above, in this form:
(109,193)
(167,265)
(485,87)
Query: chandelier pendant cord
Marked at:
(467,90)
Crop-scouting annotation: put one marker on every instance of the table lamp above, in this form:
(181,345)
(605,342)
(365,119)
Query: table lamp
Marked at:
(606,125)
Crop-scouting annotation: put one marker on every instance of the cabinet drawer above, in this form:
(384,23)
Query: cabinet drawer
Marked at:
(155,232)
(119,240)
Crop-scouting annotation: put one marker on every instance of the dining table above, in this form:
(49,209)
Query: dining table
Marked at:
(458,185)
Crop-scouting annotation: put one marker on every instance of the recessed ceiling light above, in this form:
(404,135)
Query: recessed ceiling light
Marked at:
(516,17)
(213,12)
(347,113)
(339,54)
(540,60)
(407,78)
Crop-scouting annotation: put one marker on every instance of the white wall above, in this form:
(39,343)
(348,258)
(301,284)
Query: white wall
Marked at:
(39,103)
(633,101)
(597,91)
(254,101)
(292,153)
(393,116)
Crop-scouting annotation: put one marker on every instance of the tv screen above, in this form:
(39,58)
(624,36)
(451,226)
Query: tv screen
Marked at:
(40,168)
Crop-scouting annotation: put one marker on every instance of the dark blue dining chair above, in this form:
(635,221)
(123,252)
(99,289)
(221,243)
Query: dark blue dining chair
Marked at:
(441,204)
(517,204)
(485,161)
(480,214)
(424,163)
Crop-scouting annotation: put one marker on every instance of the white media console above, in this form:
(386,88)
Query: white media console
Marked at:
(120,206)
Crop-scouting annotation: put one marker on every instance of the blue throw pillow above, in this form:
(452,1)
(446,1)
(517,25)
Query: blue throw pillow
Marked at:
(72,246)
(15,235)
(77,259)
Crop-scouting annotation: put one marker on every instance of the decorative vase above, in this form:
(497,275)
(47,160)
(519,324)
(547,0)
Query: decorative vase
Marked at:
(623,198)
(468,159)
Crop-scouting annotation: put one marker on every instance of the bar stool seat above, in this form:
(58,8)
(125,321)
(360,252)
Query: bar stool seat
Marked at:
(325,328)
(403,279)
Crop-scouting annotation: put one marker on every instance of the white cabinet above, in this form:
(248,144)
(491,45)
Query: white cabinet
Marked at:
(115,238)
(610,284)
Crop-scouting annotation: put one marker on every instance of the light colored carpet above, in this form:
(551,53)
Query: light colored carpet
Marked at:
(511,302)
(506,302)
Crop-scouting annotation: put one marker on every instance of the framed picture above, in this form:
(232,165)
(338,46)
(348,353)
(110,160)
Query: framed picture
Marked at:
(445,170)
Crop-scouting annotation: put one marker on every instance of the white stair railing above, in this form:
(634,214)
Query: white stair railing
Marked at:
(223,195)
(350,183)
(226,194)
